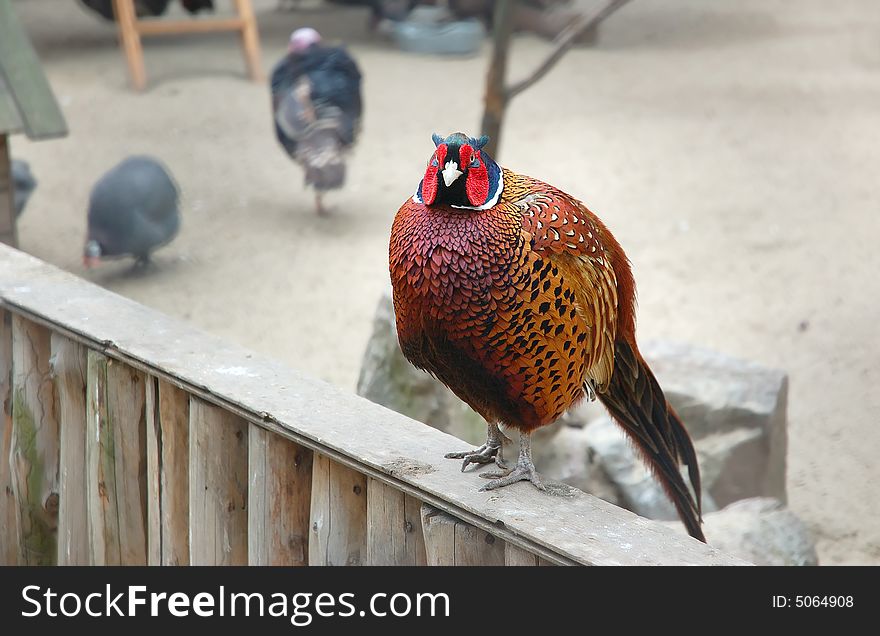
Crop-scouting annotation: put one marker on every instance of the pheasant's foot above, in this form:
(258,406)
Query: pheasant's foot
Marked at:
(485,454)
(521,472)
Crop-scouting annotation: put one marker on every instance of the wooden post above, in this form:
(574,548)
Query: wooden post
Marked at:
(116,459)
(450,541)
(218,486)
(126,20)
(8,232)
(167,474)
(394,527)
(34,456)
(279,497)
(338,514)
(250,39)
(8,535)
(69,363)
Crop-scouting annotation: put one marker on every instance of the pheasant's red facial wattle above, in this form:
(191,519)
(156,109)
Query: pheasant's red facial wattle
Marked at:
(477,183)
(432,173)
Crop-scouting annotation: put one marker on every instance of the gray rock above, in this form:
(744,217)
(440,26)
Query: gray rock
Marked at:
(760,530)
(567,456)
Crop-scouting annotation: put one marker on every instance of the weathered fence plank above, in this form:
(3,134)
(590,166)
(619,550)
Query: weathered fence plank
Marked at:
(69,363)
(218,486)
(34,445)
(8,534)
(116,462)
(439,531)
(154,472)
(394,527)
(279,499)
(474,546)
(514,555)
(451,541)
(167,474)
(415,538)
(338,514)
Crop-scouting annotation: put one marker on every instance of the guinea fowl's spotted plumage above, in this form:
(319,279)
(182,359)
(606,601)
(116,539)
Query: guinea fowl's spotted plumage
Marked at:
(525,307)
(133,210)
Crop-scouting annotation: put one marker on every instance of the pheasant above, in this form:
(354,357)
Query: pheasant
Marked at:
(521,301)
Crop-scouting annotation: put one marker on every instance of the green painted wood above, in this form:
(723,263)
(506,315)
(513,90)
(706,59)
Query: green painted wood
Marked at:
(26,84)
(10,120)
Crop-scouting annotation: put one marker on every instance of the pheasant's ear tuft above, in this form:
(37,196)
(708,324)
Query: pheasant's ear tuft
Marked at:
(437,139)
(482,141)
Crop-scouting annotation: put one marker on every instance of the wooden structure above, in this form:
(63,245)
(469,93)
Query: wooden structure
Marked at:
(132,438)
(131,29)
(26,105)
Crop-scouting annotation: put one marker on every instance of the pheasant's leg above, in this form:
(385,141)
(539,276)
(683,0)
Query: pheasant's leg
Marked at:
(491,450)
(523,471)
(319,203)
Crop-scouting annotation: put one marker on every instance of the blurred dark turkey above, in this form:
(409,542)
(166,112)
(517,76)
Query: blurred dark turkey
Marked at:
(133,210)
(316,101)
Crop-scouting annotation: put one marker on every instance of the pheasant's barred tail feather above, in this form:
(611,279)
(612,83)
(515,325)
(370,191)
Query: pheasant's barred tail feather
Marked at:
(638,404)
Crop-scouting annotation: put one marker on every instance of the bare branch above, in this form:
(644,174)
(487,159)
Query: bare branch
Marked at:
(563,42)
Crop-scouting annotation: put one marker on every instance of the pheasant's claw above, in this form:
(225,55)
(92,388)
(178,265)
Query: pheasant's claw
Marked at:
(485,454)
(496,475)
(522,472)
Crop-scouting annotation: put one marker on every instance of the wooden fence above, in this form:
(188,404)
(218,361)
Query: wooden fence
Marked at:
(135,439)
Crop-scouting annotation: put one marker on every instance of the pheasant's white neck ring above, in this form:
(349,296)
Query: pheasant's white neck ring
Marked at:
(492,200)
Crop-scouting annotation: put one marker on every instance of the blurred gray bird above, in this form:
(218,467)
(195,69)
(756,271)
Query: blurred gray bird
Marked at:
(23,184)
(133,210)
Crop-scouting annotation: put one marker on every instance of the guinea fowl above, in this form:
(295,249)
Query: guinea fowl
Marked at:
(316,105)
(519,299)
(133,210)
(23,184)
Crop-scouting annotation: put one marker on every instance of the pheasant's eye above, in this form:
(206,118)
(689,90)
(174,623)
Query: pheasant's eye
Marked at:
(475,162)
(434,162)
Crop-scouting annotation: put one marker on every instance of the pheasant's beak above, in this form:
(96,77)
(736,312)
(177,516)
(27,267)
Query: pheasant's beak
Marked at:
(451,173)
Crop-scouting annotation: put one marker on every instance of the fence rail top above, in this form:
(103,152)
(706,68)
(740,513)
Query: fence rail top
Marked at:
(567,527)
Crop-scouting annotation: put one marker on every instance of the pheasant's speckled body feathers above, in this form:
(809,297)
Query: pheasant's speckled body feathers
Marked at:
(523,306)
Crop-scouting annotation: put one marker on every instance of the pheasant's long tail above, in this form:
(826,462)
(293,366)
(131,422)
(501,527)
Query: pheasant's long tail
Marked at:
(637,403)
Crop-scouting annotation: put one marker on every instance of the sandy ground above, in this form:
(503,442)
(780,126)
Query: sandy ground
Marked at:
(731,146)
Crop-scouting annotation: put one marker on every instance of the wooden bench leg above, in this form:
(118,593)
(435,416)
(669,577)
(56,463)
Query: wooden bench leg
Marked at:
(250,39)
(131,42)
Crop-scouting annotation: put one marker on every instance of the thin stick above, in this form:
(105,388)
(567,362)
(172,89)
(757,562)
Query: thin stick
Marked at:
(563,42)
